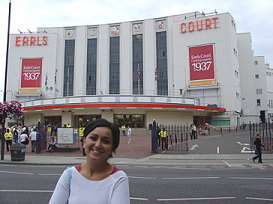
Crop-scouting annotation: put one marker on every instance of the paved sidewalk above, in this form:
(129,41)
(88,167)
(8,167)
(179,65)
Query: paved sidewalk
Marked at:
(157,159)
(138,152)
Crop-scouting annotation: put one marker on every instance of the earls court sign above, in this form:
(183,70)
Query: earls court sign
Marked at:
(31,40)
(198,25)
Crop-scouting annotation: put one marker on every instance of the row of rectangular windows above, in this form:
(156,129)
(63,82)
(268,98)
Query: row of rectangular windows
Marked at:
(114,73)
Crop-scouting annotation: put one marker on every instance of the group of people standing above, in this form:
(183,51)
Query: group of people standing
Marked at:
(21,134)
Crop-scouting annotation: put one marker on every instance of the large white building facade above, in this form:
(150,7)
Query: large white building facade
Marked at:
(181,69)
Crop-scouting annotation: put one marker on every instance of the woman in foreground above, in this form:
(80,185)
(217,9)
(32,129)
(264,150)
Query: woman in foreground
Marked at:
(95,180)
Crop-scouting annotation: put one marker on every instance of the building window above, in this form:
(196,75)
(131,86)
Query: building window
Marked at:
(162,68)
(259,91)
(137,64)
(258,102)
(256,63)
(270,103)
(181,92)
(114,65)
(69,54)
(91,79)
(257,76)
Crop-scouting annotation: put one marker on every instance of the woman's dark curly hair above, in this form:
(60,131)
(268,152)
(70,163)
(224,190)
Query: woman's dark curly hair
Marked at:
(104,123)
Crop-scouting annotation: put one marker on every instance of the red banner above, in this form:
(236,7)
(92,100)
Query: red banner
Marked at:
(201,62)
(31,73)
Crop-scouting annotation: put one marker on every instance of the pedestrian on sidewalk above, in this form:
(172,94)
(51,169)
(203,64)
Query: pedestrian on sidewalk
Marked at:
(95,180)
(33,138)
(81,134)
(8,137)
(193,132)
(258,148)
(15,134)
(163,136)
(24,137)
(129,134)
(123,129)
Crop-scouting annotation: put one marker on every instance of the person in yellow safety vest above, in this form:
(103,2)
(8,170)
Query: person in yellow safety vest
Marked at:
(81,131)
(163,136)
(8,137)
(81,134)
(49,129)
(68,125)
(123,128)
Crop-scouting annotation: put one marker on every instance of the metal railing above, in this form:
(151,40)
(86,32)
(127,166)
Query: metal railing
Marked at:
(266,133)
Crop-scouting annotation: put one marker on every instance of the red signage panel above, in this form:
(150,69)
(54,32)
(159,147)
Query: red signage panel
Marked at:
(31,73)
(201,62)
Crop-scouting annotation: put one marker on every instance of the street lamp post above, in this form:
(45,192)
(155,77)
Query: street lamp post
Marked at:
(5,85)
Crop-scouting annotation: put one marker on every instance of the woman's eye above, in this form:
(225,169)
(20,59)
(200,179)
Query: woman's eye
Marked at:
(93,138)
(106,141)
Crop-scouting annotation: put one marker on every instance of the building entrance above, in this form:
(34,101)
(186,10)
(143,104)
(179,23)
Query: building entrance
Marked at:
(83,120)
(53,120)
(132,120)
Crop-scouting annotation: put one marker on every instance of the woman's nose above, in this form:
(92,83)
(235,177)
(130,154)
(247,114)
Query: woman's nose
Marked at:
(98,143)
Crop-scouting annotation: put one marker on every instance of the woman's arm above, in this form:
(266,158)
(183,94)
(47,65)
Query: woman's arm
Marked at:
(121,193)
(61,191)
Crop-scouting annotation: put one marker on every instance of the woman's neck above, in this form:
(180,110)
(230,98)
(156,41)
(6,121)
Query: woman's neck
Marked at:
(94,170)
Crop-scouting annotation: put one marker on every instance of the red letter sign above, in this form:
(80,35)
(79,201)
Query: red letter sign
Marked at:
(201,62)
(31,73)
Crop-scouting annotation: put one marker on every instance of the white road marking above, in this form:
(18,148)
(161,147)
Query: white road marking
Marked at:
(191,178)
(28,191)
(49,174)
(132,198)
(194,146)
(218,150)
(226,163)
(245,144)
(180,199)
(139,177)
(265,199)
(249,178)
(12,172)
(247,150)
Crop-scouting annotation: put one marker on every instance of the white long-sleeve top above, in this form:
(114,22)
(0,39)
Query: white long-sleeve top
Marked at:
(112,190)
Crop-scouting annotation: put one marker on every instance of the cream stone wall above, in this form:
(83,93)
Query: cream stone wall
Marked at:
(66,118)
(33,119)
(169,117)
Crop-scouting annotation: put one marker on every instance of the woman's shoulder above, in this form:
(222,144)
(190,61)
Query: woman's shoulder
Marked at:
(119,174)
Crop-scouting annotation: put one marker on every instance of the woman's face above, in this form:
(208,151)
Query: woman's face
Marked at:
(98,143)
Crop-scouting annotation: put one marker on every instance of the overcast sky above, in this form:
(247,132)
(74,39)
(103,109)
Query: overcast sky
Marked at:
(254,16)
